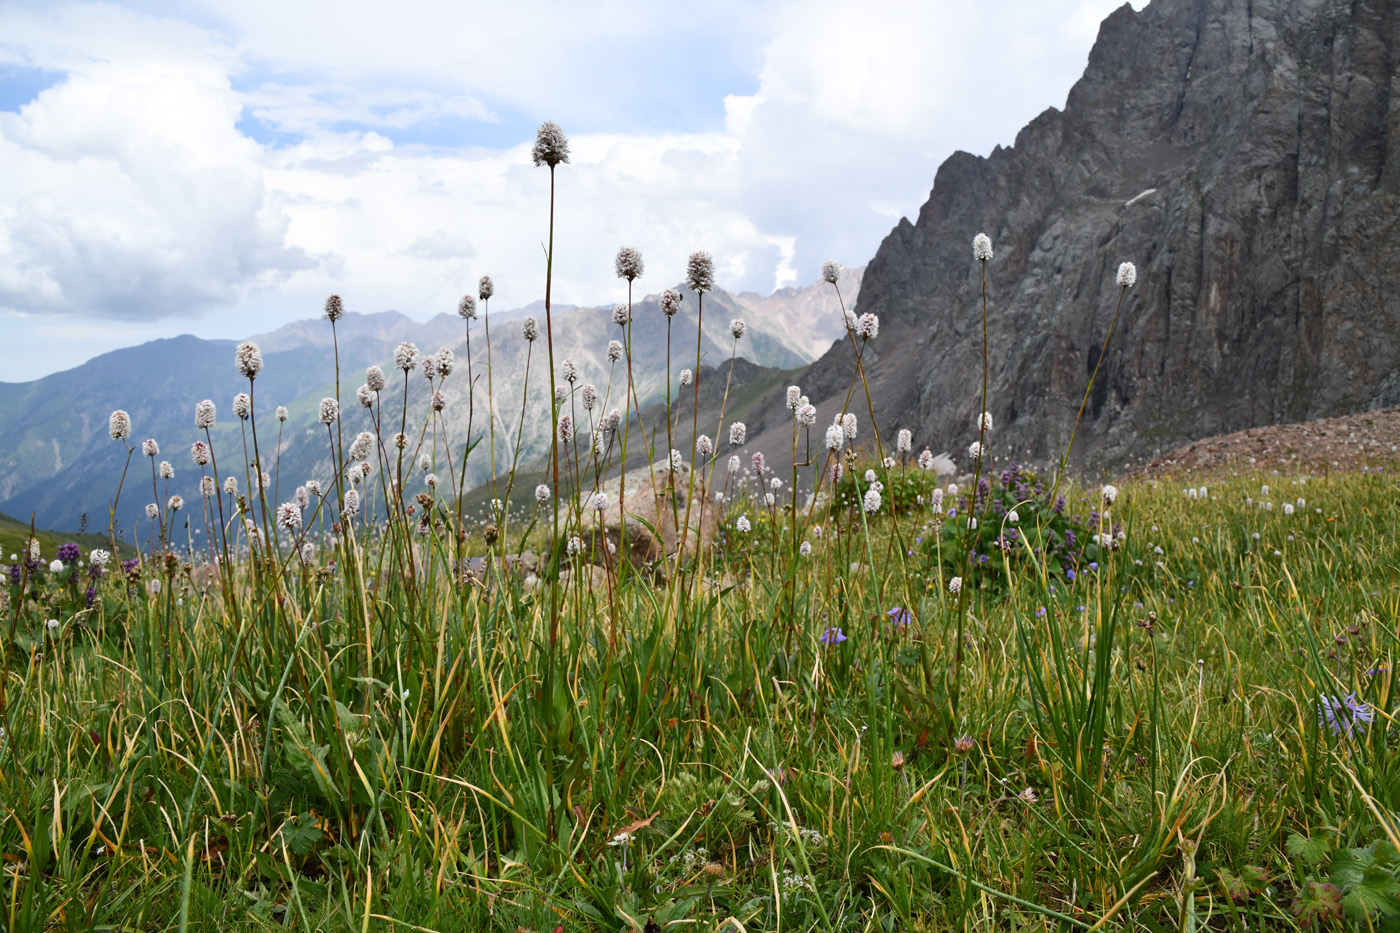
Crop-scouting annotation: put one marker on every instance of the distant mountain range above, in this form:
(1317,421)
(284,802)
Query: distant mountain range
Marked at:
(58,463)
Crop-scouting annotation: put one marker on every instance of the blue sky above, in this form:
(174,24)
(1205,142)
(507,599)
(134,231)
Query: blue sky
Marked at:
(218,168)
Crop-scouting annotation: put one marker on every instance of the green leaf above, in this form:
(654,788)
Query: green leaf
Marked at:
(301,834)
(1307,849)
(1317,900)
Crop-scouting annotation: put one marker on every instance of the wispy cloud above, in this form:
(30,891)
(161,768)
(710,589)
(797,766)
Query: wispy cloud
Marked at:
(251,157)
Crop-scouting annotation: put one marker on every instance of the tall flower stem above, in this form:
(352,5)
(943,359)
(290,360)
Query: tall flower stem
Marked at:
(967,520)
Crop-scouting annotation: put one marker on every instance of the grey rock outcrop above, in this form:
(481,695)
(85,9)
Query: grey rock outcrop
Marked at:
(1245,154)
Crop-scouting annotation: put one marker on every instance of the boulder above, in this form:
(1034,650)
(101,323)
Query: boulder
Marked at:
(653,510)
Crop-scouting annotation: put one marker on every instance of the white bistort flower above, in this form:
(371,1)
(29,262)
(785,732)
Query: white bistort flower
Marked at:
(904,441)
(1127,275)
(362,446)
(872,500)
(374,378)
(614,350)
(868,326)
(248,359)
(119,425)
(741,524)
(204,412)
(981,247)
(737,432)
(831,271)
(736,328)
(629,263)
(405,356)
(700,272)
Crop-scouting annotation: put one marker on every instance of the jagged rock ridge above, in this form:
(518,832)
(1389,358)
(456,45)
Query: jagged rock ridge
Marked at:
(1245,154)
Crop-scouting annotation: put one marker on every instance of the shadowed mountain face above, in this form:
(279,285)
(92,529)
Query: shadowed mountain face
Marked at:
(58,462)
(1245,155)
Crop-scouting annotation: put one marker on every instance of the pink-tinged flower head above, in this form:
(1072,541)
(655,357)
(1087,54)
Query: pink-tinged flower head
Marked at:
(700,272)
(955,585)
(905,442)
(204,413)
(541,493)
(974,450)
(405,355)
(445,361)
(589,396)
(438,401)
(150,448)
(200,453)
(207,487)
(758,464)
(466,308)
(329,411)
(670,302)
(530,328)
(835,437)
(871,501)
(289,516)
(621,314)
(566,429)
(231,485)
(551,145)
(704,446)
(362,446)
(831,271)
(303,498)
(119,425)
(737,328)
(485,288)
(335,310)
(981,247)
(737,432)
(569,371)
(868,326)
(600,502)
(313,487)
(629,264)
(926,459)
(614,350)
(374,378)
(352,503)
(242,406)
(248,359)
(806,414)
(166,470)
(612,420)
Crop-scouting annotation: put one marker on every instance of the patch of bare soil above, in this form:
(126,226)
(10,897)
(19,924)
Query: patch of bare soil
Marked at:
(1350,443)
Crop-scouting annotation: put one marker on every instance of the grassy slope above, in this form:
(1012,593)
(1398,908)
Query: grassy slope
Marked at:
(818,783)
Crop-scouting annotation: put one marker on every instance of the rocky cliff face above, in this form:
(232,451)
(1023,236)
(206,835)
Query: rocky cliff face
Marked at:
(1245,154)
